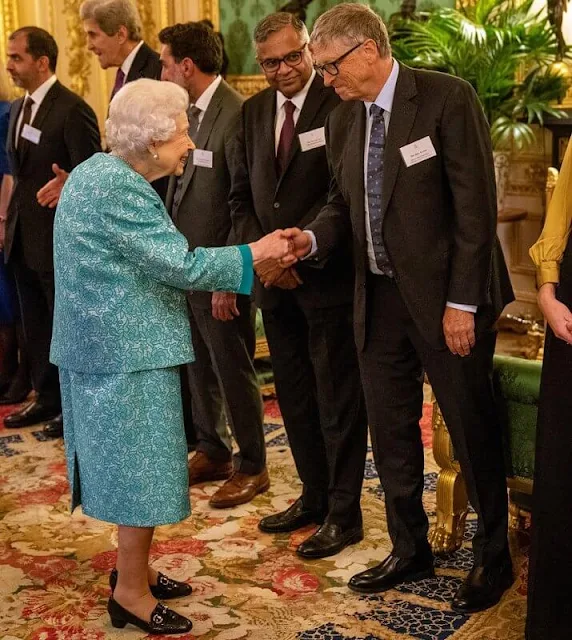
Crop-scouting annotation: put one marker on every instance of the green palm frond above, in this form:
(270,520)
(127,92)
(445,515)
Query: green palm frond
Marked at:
(503,48)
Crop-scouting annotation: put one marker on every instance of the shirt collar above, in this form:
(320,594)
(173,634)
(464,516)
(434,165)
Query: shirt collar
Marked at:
(385,96)
(128,62)
(299,98)
(41,92)
(206,96)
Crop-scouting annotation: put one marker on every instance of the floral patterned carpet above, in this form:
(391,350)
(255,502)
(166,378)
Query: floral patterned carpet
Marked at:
(54,568)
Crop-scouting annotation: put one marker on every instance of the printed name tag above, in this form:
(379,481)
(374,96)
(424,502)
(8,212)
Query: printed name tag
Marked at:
(418,151)
(312,139)
(203,158)
(31,133)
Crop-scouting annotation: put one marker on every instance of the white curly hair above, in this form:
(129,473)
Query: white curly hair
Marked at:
(143,112)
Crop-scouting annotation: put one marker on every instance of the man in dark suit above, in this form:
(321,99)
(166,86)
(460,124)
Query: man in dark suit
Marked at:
(113,29)
(414,185)
(223,374)
(50,125)
(280,178)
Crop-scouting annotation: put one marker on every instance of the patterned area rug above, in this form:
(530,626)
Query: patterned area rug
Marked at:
(54,568)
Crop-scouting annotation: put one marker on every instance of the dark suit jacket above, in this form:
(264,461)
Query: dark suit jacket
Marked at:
(146,64)
(261,202)
(440,214)
(203,215)
(70,135)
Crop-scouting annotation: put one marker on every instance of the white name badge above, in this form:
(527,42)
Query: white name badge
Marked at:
(31,133)
(312,139)
(203,158)
(418,151)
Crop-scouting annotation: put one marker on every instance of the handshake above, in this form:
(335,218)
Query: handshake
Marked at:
(275,254)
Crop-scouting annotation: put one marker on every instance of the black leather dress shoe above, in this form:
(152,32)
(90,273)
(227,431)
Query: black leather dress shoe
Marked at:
(328,540)
(482,588)
(163,621)
(31,414)
(391,572)
(54,428)
(295,517)
(165,589)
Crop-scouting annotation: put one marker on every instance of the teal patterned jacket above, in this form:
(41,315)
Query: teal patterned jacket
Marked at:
(121,273)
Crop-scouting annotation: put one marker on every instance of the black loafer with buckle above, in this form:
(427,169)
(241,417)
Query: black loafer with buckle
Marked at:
(165,589)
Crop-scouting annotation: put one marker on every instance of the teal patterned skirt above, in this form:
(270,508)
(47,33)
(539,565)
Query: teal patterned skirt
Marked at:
(125,446)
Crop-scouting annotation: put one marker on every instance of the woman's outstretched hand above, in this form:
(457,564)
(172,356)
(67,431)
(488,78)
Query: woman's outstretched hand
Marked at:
(274,246)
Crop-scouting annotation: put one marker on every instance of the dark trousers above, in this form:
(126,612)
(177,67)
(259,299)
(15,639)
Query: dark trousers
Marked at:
(317,381)
(36,300)
(224,386)
(392,365)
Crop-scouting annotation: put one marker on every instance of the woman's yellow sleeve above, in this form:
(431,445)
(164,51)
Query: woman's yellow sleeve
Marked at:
(548,250)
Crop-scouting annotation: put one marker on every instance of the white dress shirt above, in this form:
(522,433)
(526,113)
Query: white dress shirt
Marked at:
(38,97)
(298,101)
(128,62)
(206,96)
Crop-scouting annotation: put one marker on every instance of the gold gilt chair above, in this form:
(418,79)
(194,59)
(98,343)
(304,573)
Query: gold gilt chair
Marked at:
(516,384)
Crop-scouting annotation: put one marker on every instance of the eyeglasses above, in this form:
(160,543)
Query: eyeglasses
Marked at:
(292,59)
(332,68)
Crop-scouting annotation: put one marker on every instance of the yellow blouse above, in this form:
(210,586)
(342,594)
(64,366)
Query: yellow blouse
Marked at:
(548,250)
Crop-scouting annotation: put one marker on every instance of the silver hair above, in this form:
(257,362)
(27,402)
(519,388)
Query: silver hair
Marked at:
(276,22)
(110,15)
(142,112)
(352,23)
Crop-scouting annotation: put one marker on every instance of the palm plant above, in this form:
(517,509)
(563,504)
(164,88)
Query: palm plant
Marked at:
(504,49)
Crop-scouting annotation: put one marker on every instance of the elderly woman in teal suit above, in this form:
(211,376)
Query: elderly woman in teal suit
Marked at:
(120,332)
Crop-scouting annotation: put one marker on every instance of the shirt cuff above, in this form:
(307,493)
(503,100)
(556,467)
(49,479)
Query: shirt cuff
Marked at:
(247,270)
(314,247)
(548,272)
(471,308)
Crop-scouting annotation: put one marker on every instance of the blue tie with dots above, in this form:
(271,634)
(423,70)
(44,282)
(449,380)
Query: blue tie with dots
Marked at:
(374,187)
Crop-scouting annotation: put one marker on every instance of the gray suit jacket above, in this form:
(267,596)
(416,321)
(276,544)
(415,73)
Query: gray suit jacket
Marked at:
(440,218)
(203,215)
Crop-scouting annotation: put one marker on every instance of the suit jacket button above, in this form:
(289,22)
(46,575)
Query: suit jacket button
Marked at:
(277,205)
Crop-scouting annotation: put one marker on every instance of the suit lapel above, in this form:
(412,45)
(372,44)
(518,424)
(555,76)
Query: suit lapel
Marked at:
(353,160)
(203,134)
(41,115)
(138,64)
(266,139)
(310,108)
(14,115)
(403,114)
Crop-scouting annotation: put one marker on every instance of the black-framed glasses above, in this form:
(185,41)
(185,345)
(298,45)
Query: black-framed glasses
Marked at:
(332,67)
(292,59)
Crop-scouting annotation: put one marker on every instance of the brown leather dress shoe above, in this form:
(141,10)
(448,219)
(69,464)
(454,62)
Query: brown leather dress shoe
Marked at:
(203,469)
(239,489)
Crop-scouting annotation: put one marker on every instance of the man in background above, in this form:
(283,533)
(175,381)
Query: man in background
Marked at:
(222,375)
(49,125)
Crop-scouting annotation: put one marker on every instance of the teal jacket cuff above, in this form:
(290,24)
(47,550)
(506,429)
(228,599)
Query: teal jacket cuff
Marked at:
(247,270)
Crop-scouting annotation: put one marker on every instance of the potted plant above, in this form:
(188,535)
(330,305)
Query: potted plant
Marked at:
(509,53)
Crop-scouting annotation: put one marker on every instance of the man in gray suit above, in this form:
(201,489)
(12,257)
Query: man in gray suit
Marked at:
(222,323)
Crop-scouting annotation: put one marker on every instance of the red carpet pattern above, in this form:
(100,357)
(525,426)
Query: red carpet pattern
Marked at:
(54,568)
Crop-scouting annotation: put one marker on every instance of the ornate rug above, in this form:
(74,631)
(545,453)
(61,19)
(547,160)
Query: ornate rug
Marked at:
(54,568)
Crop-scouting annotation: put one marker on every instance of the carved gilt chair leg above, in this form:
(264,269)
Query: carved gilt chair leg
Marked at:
(446,536)
(516,517)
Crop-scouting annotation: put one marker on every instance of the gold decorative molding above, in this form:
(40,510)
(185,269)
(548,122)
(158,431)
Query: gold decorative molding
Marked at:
(210,11)
(79,67)
(10,22)
(145,8)
(247,85)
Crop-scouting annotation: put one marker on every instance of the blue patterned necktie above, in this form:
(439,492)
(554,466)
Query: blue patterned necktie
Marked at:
(374,187)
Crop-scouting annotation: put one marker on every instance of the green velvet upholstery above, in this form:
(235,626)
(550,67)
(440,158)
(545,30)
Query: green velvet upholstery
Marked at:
(517,384)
